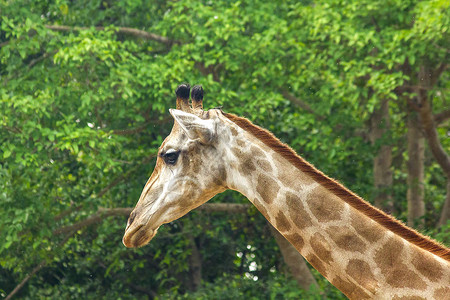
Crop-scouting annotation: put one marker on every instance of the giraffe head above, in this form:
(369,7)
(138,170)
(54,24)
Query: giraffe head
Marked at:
(187,171)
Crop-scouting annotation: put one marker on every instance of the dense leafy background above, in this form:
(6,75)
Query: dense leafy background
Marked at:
(83,110)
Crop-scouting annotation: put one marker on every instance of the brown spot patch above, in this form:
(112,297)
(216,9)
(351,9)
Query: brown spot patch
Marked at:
(360,271)
(240,143)
(220,176)
(389,259)
(441,293)
(236,151)
(256,152)
(297,212)
(296,240)
(408,298)
(350,290)
(282,222)
(196,166)
(368,230)
(400,276)
(295,161)
(234,132)
(324,205)
(195,160)
(246,165)
(321,248)
(190,192)
(267,188)
(264,165)
(426,265)
(346,239)
(390,254)
(185,161)
(317,264)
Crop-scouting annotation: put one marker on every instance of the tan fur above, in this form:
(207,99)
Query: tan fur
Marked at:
(339,190)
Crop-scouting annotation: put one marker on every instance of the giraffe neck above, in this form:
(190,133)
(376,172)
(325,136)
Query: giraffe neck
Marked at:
(359,256)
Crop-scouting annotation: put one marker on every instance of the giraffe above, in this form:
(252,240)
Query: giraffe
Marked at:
(364,252)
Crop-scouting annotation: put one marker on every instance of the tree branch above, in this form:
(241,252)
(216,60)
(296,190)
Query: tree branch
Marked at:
(67,212)
(98,217)
(211,69)
(36,269)
(115,182)
(143,290)
(141,127)
(300,103)
(124,176)
(130,130)
(124,30)
(40,58)
(437,73)
(103,213)
(441,117)
(412,105)
(13,129)
(413,88)
(25,280)
(426,118)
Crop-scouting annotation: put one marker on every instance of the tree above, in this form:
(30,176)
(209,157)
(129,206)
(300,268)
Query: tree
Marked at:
(416,157)
(85,88)
(382,162)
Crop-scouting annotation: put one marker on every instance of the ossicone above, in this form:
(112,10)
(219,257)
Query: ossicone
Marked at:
(197,97)
(182,92)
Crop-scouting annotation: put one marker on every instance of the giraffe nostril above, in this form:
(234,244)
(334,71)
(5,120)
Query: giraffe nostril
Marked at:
(131,218)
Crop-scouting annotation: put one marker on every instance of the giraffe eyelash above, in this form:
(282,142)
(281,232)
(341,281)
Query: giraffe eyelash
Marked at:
(170,157)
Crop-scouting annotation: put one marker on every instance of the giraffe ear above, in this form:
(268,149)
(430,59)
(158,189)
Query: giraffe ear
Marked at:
(194,127)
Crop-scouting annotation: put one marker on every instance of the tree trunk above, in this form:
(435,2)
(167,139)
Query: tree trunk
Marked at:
(195,265)
(295,262)
(382,175)
(445,214)
(429,128)
(416,157)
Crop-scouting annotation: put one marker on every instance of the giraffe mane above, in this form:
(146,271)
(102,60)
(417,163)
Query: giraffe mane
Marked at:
(339,190)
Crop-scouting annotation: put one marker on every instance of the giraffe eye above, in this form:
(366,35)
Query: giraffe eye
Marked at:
(170,157)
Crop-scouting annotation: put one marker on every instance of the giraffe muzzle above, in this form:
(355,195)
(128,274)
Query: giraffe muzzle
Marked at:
(138,236)
(139,231)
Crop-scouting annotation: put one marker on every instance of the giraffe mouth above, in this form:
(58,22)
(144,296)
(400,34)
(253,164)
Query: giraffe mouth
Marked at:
(138,236)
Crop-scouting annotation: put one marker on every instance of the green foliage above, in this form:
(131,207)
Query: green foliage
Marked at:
(277,287)
(83,112)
